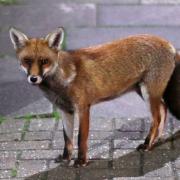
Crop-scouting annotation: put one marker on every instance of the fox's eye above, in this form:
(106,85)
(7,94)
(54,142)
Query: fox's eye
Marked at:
(28,61)
(44,61)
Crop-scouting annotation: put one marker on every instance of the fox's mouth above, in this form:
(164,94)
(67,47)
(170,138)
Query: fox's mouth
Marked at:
(35,80)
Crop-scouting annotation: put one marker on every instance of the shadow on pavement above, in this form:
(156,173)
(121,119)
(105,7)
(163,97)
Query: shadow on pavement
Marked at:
(132,164)
(16,95)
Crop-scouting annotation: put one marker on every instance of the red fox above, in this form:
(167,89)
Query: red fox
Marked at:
(74,80)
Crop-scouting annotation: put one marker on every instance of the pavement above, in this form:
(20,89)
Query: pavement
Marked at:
(29,145)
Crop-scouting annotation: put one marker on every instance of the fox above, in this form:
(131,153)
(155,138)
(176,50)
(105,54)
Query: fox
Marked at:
(74,80)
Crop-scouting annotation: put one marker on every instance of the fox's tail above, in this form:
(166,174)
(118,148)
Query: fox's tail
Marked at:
(172,92)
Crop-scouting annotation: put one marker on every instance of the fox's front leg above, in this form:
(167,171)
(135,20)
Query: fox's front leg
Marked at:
(68,128)
(82,114)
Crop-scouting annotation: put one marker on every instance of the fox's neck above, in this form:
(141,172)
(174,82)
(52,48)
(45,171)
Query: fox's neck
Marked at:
(64,71)
(56,84)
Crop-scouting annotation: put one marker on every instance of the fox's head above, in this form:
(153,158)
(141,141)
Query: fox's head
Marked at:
(38,57)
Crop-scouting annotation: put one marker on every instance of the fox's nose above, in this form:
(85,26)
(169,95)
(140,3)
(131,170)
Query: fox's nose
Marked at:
(33,79)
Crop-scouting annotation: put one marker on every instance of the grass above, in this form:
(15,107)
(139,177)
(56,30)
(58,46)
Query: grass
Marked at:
(8,2)
(13,172)
(56,115)
(28,117)
(2,119)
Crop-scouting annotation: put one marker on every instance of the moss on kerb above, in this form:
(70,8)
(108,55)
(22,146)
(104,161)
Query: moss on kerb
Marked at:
(8,2)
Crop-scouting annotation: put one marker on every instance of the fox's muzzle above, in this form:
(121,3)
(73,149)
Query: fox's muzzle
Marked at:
(34,79)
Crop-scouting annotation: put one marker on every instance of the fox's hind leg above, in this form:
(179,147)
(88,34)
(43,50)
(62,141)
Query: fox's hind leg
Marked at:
(152,86)
(163,112)
(155,104)
(68,128)
(158,113)
(163,109)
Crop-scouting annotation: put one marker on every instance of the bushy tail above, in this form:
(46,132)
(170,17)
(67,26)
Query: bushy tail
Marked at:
(172,92)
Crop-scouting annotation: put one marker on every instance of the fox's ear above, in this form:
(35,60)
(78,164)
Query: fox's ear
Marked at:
(18,38)
(55,39)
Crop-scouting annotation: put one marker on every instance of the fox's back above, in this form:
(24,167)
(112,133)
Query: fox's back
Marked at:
(139,49)
(121,63)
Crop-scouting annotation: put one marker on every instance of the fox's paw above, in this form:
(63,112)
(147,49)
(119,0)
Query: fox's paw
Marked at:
(80,163)
(144,147)
(58,159)
(61,159)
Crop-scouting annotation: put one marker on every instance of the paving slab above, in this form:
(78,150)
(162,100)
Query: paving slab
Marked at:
(27,168)
(77,37)
(127,144)
(14,72)
(101,124)
(127,135)
(157,158)
(110,173)
(10,137)
(18,98)
(5,174)
(103,135)
(99,149)
(27,2)
(24,145)
(144,178)
(121,160)
(65,173)
(59,14)
(11,126)
(14,179)
(8,160)
(42,124)
(134,124)
(40,154)
(165,171)
(160,2)
(7,163)
(125,15)
(37,107)
(129,105)
(58,140)
(43,135)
